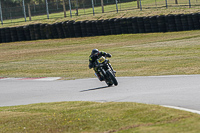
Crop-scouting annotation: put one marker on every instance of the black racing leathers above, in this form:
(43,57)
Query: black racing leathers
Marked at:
(93,58)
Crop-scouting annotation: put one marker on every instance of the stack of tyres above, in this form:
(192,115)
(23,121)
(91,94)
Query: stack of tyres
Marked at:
(195,18)
(54,31)
(43,31)
(100,27)
(32,32)
(27,33)
(161,23)
(198,14)
(8,35)
(65,29)
(88,26)
(147,24)
(77,29)
(71,28)
(112,26)
(59,30)
(154,23)
(49,34)
(129,25)
(135,25)
(190,22)
(13,33)
(184,22)
(123,25)
(20,33)
(170,20)
(179,26)
(94,29)
(83,28)
(140,24)
(3,37)
(117,26)
(0,37)
(106,27)
(37,31)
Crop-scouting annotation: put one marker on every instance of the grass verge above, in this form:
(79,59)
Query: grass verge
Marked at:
(133,55)
(76,117)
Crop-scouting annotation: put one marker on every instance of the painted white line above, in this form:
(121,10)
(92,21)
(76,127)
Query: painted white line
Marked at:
(33,79)
(48,79)
(184,109)
(9,79)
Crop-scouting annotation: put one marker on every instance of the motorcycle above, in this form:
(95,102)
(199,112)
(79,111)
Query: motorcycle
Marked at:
(106,71)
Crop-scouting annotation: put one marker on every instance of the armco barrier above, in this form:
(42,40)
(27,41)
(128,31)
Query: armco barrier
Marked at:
(162,23)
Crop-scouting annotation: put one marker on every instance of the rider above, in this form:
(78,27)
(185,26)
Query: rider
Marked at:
(95,54)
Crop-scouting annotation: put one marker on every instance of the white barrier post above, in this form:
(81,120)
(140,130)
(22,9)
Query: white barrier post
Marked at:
(93,7)
(116,6)
(1,13)
(24,10)
(47,8)
(189,4)
(70,8)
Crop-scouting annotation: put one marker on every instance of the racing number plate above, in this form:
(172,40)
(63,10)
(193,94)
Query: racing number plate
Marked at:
(101,59)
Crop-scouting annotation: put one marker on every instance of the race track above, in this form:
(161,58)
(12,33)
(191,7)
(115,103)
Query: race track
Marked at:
(180,91)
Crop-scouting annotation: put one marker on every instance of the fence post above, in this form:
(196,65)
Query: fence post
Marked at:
(189,4)
(102,6)
(93,7)
(166,3)
(1,13)
(29,12)
(116,6)
(70,8)
(64,9)
(24,11)
(47,8)
(156,3)
(57,4)
(76,7)
(140,5)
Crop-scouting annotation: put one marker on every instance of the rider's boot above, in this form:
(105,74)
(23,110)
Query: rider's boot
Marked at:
(99,76)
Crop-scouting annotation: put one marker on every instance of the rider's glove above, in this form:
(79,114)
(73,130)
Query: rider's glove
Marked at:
(108,55)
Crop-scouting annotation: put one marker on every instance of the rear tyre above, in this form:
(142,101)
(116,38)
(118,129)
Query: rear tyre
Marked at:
(112,77)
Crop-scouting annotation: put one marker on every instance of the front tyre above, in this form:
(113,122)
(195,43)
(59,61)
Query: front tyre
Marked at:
(109,84)
(112,77)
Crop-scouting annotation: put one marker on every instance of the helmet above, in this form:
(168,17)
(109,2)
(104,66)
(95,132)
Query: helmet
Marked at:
(95,52)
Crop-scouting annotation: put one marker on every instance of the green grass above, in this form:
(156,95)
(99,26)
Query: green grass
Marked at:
(76,117)
(133,55)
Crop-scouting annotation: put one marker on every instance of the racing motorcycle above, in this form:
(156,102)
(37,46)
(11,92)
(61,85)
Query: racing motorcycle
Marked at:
(106,71)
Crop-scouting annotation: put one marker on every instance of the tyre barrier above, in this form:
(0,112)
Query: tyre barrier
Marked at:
(131,25)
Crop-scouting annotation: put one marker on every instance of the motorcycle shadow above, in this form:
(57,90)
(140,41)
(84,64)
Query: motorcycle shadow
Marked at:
(98,88)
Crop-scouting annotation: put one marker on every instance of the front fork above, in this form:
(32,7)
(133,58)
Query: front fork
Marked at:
(111,68)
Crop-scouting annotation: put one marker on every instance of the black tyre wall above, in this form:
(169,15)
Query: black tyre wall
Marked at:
(131,25)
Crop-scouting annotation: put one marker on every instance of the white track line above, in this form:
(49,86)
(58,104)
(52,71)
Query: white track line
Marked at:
(179,108)
(32,79)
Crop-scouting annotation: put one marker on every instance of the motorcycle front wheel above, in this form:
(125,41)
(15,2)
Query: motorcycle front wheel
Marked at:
(112,77)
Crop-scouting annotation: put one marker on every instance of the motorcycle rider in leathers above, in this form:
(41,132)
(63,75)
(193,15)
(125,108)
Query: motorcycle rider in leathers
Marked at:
(95,54)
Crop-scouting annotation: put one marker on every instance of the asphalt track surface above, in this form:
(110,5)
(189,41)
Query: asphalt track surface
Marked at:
(180,91)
